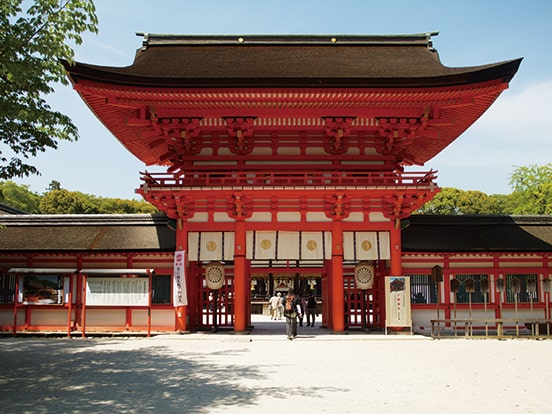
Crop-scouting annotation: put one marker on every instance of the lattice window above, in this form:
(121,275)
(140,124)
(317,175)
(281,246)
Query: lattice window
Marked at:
(477,296)
(7,288)
(422,289)
(161,289)
(524,285)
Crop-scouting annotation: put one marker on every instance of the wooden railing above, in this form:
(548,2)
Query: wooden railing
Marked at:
(286,179)
(529,327)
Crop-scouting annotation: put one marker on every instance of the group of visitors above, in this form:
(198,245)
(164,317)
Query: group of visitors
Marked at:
(293,308)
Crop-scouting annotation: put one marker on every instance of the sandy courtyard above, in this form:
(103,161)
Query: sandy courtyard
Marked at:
(227,373)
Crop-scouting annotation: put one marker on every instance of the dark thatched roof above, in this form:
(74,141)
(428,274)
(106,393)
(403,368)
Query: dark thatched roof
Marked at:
(123,233)
(100,233)
(477,234)
(290,61)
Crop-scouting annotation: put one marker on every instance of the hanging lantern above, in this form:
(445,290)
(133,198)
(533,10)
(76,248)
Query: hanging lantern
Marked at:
(364,275)
(253,284)
(470,286)
(214,275)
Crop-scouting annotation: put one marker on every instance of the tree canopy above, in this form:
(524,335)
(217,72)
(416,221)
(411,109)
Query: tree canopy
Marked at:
(531,195)
(57,200)
(32,42)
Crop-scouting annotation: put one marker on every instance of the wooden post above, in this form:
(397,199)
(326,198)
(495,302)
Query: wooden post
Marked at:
(15,300)
(83,313)
(150,282)
(396,251)
(69,307)
(338,291)
(240,279)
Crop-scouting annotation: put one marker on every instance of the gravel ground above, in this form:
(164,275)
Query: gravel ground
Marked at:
(264,372)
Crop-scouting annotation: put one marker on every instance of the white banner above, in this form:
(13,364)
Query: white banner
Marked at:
(180,296)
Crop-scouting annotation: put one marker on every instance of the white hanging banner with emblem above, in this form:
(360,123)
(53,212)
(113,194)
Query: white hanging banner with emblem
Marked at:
(261,245)
(366,245)
(211,246)
(312,245)
(180,296)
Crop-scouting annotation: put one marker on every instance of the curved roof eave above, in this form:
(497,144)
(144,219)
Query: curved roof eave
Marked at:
(502,71)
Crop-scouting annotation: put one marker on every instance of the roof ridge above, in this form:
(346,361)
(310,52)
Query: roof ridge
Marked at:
(151,39)
(82,219)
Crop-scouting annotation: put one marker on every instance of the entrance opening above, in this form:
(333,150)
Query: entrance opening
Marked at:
(363,309)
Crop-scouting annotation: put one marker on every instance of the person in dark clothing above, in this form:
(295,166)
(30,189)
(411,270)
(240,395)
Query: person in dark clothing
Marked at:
(311,309)
(292,309)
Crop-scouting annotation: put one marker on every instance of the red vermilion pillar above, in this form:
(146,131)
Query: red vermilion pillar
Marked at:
(182,244)
(338,291)
(396,251)
(240,278)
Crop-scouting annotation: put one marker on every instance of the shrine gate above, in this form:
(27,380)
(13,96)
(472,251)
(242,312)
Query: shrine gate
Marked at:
(285,157)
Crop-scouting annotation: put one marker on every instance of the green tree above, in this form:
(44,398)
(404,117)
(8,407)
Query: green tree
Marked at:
(67,202)
(32,42)
(452,201)
(477,202)
(19,197)
(532,189)
(446,202)
(120,206)
(54,185)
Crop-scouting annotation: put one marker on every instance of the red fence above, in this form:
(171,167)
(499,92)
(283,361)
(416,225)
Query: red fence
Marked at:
(277,179)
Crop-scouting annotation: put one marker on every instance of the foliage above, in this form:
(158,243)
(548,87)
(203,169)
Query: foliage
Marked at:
(532,190)
(532,187)
(531,195)
(32,43)
(19,197)
(444,203)
(67,202)
(74,202)
(57,200)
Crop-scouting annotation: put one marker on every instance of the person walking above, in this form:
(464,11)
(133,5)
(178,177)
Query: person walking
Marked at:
(273,305)
(292,309)
(280,306)
(311,309)
(303,304)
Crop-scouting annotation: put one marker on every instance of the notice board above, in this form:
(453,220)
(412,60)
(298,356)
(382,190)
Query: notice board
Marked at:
(397,302)
(117,291)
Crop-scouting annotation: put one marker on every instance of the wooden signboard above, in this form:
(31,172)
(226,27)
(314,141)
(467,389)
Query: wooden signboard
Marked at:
(397,302)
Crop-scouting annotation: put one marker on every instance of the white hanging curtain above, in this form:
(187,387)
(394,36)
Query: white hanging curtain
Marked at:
(384,245)
(348,246)
(261,245)
(211,246)
(312,245)
(288,245)
(366,245)
(229,239)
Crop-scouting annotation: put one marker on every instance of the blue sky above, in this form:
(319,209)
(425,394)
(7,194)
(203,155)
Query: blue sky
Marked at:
(515,131)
